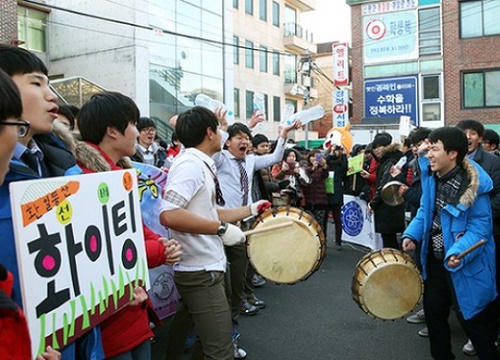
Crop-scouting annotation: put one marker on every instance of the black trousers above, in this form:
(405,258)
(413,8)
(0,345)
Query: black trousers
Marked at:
(439,297)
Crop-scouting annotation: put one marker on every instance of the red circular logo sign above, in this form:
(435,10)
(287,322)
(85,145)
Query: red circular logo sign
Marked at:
(340,108)
(375,29)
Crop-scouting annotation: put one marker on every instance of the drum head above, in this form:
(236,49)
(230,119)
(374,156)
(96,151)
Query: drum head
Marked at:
(287,255)
(387,284)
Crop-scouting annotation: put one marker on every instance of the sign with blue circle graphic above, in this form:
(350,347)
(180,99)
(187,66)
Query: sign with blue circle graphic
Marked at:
(352,218)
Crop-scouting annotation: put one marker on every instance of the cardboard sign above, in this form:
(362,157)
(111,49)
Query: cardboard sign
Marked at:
(355,164)
(80,249)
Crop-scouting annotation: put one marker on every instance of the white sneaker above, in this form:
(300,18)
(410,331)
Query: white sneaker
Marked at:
(468,349)
(424,332)
(239,353)
(417,318)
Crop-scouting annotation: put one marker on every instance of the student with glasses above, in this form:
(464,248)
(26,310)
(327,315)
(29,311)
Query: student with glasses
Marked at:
(14,336)
(42,150)
(193,212)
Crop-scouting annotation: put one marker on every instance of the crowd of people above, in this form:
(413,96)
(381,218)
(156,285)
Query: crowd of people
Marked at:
(220,177)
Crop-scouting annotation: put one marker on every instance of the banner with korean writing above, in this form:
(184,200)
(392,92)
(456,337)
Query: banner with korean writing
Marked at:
(340,64)
(340,109)
(80,249)
(390,37)
(392,97)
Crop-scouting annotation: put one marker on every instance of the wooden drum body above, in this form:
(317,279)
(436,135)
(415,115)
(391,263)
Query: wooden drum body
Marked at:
(289,254)
(387,284)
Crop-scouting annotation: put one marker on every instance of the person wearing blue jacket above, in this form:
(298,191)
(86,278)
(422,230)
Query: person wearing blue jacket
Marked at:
(454,215)
(44,151)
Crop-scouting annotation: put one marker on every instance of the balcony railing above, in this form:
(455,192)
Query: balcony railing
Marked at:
(294,29)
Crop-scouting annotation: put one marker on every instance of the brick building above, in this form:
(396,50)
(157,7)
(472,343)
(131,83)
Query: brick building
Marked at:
(8,21)
(442,54)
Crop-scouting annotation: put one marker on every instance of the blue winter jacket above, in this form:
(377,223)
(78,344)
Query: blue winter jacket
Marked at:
(60,162)
(463,226)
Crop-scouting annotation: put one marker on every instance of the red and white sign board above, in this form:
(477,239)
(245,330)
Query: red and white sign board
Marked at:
(340,64)
(340,109)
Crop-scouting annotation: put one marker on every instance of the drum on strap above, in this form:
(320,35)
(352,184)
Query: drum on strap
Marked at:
(387,284)
(288,254)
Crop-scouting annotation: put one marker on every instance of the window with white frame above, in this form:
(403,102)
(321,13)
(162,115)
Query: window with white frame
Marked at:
(431,97)
(429,31)
(31,28)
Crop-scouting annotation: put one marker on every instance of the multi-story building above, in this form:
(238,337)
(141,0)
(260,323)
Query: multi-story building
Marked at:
(162,54)
(432,60)
(269,44)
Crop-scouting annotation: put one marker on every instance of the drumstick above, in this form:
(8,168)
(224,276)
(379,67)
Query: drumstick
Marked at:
(267,228)
(472,248)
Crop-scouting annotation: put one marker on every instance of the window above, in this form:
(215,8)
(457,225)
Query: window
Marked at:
(479,18)
(249,54)
(429,31)
(31,28)
(290,66)
(236,105)
(236,4)
(276,14)
(263,10)
(277,108)
(481,89)
(249,103)
(249,7)
(431,98)
(293,103)
(236,50)
(263,59)
(276,63)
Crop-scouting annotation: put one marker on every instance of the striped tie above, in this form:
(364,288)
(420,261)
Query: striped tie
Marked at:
(243,180)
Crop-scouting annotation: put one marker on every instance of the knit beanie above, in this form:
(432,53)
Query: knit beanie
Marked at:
(381,139)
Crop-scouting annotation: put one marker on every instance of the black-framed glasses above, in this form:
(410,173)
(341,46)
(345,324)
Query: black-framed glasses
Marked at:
(22,126)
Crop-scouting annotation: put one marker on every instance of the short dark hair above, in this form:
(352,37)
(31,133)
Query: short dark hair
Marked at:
(145,122)
(15,60)
(419,134)
(66,111)
(407,142)
(11,105)
(491,136)
(103,110)
(471,125)
(236,128)
(259,139)
(453,139)
(75,110)
(191,126)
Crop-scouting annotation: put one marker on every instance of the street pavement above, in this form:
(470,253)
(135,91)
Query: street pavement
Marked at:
(317,319)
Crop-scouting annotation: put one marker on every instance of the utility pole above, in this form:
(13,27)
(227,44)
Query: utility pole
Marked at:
(306,82)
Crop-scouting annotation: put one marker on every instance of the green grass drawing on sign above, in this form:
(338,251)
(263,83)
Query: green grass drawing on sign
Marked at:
(85,313)
(41,348)
(55,343)
(115,294)
(72,304)
(92,299)
(65,328)
(121,283)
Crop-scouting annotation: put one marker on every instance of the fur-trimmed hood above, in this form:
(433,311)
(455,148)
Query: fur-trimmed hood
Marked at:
(62,133)
(475,187)
(392,150)
(91,158)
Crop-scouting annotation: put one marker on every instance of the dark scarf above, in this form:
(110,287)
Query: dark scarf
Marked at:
(447,192)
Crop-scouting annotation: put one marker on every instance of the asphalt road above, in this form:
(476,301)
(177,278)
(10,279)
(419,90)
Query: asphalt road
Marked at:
(317,319)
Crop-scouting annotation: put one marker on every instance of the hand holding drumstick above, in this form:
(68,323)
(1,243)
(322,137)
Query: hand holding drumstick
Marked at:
(454,261)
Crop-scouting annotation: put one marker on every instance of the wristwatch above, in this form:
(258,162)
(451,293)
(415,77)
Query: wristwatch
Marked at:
(221,230)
